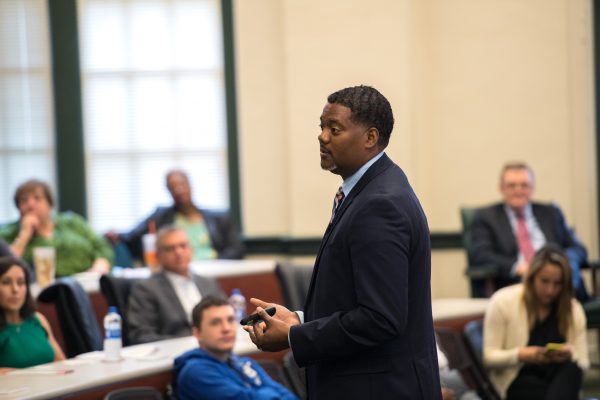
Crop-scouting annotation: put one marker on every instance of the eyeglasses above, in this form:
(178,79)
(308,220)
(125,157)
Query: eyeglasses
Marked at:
(515,185)
(171,248)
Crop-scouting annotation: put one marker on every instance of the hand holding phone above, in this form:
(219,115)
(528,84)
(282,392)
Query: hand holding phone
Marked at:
(254,318)
(553,346)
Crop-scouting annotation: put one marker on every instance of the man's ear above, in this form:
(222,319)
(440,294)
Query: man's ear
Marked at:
(196,332)
(372,138)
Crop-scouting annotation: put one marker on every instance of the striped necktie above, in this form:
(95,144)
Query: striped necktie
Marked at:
(339,197)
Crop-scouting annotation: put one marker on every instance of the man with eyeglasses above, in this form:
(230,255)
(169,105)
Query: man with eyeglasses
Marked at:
(507,234)
(160,306)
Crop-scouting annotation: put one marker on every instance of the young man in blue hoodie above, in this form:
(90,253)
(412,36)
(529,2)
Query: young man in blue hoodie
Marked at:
(212,371)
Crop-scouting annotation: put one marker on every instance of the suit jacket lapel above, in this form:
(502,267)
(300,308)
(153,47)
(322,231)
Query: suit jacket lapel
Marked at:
(544,222)
(378,167)
(506,230)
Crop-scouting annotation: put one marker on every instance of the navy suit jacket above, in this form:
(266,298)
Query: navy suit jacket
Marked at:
(368,330)
(494,242)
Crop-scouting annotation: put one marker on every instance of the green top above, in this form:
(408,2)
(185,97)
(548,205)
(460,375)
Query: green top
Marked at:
(199,237)
(77,246)
(25,345)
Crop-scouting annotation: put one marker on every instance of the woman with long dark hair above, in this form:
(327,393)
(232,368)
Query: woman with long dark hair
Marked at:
(535,333)
(25,335)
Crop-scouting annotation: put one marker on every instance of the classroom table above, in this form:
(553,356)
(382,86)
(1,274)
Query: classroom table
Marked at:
(89,377)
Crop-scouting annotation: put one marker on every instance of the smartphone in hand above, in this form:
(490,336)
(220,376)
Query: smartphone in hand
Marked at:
(254,318)
(553,346)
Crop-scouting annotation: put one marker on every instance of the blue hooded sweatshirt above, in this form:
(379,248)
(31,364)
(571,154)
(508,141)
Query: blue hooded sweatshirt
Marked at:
(199,376)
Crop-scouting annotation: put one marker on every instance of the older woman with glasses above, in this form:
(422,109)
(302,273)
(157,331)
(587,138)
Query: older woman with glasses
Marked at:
(535,333)
(77,247)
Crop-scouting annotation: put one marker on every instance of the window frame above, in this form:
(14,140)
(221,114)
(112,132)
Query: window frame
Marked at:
(68,108)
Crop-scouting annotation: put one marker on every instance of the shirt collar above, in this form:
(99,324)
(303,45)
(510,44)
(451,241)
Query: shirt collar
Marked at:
(527,212)
(353,179)
(176,278)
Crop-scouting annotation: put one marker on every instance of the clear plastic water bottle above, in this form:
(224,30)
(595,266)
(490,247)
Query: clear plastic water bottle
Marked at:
(112,335)
(238,302)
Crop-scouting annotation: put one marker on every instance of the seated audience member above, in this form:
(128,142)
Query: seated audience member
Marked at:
(78,248)
(212,234)
(25,335)
(507,234)
(160,306)
(523,319)
(212,371)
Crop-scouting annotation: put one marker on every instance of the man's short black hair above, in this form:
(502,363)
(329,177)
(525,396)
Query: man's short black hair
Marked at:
(206,302)
(369,107)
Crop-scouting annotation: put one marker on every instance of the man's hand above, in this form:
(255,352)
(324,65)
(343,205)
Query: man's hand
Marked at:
(29,224)
(272,333)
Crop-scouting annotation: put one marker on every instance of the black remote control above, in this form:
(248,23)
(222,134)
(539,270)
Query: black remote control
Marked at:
(254,318)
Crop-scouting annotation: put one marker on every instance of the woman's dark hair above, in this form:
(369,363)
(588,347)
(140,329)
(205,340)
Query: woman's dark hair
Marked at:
(28,307)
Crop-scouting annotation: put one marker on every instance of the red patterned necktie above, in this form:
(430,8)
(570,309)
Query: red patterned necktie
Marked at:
(339,196)
(523,239)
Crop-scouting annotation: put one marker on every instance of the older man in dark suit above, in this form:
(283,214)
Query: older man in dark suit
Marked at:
(366,331)
(160,306)
(507,234)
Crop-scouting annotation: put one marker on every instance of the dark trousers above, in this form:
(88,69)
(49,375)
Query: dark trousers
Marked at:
(546,382)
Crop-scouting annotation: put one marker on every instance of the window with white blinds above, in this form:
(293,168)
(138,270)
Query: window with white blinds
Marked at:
(26,112)
(153,100)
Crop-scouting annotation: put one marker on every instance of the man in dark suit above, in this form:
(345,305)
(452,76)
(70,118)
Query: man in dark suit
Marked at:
(506,235)
(160,306)
(221,238)
(366,331)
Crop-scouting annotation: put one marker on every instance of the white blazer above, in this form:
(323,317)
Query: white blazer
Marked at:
(506,330)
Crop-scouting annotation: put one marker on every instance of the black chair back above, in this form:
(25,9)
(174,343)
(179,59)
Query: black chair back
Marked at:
(75,314)
(295,280)
(461,359)
(474,334)
(117,290)
(275,371)
(482,277)
(296,375)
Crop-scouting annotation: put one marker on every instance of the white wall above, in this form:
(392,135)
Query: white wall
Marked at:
(473,84)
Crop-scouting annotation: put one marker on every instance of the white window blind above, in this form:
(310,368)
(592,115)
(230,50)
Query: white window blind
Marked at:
(154,99)
(26,113)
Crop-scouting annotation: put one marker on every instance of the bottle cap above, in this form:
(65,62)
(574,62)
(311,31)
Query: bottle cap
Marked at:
(112,309)
(236,291)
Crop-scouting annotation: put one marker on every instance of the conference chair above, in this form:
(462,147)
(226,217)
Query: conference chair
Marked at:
(296,375)
(134,393)
(463,360)
(294,280)
(116,291)
(275,371)
(482,277)
(77,320)
(473,331)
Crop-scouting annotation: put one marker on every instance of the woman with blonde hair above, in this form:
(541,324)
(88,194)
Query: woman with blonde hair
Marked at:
(534,342)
